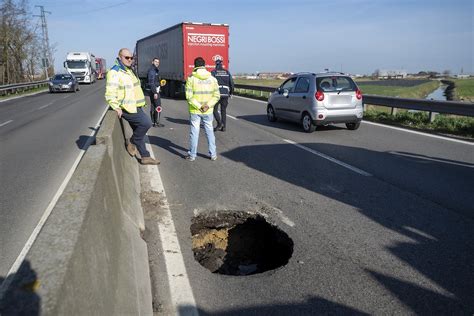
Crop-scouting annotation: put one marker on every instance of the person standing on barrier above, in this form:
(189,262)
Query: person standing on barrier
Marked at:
(202,93)
(154,88)
(226,89)
(125,96)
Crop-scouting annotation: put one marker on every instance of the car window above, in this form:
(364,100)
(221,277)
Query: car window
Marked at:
(302,85)
(62,77)
(289,84)
(335,83)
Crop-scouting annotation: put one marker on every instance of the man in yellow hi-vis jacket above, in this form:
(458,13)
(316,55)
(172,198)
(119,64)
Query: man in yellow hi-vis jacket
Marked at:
(202,93)
(125,96)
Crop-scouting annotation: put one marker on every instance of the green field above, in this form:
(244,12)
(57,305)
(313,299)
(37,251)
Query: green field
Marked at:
(464,89)
(414,92)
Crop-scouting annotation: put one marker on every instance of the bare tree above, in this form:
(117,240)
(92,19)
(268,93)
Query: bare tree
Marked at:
(18,42)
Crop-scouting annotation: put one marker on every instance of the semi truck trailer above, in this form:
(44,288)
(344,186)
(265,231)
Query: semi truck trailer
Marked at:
(177,47)
(100,66)
(82,66)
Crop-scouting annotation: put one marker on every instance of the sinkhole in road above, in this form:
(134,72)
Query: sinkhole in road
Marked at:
(239,243)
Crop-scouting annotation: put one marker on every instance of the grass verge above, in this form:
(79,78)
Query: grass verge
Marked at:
(40,89)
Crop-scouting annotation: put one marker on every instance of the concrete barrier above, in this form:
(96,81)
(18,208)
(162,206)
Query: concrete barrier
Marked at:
(89,258)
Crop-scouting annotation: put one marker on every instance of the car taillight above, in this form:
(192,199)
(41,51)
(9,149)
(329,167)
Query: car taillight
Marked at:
(319,95)
(358,94)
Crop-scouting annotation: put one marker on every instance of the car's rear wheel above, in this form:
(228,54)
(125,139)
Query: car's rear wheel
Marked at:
(352,126)
(307,123)
(271,114)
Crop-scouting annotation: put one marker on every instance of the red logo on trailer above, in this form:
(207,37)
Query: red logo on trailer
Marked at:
(210,42)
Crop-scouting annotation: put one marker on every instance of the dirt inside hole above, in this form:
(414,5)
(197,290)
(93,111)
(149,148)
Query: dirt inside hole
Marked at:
(239,243)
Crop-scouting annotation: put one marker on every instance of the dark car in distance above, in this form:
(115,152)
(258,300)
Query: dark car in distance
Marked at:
(63,82)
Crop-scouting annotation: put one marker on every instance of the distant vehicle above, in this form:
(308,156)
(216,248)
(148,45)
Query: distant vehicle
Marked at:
(177,47)
(101,68)
(63,82)
(82,66)
(317,99)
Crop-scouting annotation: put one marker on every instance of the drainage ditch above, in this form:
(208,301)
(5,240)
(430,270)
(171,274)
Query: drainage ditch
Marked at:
(239,243)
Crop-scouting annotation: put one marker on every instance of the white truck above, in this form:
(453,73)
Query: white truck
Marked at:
(82,66)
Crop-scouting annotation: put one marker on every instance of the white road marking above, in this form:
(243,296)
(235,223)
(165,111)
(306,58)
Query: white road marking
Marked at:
(23,95)
(5,123)
(44,106)
(285,219)
(468,165)
(236,96)
(317,153)
(16,265)
(232,117)
(178,281)
(67,96)
(420,133)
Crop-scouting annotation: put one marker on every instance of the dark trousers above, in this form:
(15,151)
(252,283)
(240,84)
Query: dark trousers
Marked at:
(154,104)
(224,101)
(140,124)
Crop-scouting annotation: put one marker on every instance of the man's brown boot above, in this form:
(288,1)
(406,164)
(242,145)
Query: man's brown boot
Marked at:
(149,161)
(132,149)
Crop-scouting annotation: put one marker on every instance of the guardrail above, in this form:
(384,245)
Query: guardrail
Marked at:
(19,87)
(432,106)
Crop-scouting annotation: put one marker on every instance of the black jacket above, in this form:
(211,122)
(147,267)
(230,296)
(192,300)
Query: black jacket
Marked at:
(224,79)
(153,80)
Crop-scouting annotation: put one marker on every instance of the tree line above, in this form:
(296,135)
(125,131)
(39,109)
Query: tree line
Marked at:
(20,44)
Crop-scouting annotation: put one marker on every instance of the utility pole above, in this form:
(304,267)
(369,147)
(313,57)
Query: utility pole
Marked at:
(46,59)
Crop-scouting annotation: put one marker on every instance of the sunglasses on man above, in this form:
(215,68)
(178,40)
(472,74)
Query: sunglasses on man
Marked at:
(128,57)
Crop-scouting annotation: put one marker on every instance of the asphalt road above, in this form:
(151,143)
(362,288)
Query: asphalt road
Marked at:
(381,219)
(41,136)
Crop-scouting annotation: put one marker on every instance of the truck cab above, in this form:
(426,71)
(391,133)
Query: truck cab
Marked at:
(81,65)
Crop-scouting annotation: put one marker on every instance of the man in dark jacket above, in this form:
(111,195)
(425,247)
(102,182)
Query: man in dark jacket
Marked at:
(154,91)
(226,89)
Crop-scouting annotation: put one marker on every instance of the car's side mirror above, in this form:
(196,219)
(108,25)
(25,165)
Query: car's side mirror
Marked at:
(286,92)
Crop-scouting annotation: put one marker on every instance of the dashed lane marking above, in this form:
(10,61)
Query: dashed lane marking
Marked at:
(334,160)
(44,106)
(5,123)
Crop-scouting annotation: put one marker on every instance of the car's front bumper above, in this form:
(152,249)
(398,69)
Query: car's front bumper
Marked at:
(59,88)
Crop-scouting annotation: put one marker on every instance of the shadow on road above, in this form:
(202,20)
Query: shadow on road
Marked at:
(18,292)
(313,306)
(177,121)
(261,119)
(441,245)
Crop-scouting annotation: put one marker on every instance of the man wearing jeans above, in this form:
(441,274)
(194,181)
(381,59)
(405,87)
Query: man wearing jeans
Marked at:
(202,93)
(125,96)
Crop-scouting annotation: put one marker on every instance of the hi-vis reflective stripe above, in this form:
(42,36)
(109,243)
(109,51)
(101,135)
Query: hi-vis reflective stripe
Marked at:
(202,92)
(127,101)
(112,84)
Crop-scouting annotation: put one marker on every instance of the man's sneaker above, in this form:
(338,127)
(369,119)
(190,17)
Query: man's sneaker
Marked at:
(214,158)
(218,127)
(189,158)
(132,149)
(149,161)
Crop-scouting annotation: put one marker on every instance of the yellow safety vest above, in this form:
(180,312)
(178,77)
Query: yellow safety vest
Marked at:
(202,88)
(123,89)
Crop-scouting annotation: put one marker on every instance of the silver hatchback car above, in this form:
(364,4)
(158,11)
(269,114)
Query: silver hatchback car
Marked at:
(317,99)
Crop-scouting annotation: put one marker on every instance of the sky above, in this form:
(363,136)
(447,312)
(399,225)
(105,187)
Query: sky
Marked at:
(353,36)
